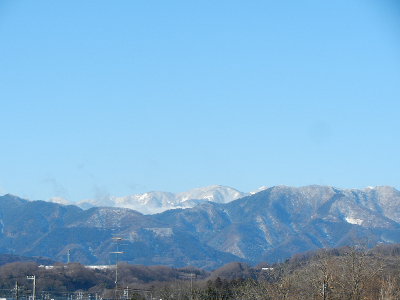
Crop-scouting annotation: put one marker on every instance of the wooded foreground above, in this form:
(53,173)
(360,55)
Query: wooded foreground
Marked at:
(357,271)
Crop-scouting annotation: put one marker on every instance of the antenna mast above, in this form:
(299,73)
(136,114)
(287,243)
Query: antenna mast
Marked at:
(118,240)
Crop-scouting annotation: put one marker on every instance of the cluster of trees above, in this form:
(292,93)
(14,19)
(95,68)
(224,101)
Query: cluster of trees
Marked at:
(357,271)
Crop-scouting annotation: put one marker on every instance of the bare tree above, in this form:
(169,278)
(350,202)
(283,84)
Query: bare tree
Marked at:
(388,290)
(360,268)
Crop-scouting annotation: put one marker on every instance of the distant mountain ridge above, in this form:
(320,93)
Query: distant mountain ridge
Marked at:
(156,202)
(270,225)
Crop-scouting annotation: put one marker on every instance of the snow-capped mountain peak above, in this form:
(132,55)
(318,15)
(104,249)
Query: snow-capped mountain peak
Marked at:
(156,202)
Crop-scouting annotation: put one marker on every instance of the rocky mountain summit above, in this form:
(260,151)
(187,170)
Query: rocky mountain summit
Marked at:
(270,225)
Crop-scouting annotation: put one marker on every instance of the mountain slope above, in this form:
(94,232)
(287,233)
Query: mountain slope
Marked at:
(284,220)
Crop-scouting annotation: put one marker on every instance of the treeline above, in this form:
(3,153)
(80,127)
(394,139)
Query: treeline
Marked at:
(356,271)
(10,258)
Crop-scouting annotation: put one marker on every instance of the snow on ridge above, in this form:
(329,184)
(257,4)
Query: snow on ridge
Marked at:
(258,190)
(214,193)
(60,200)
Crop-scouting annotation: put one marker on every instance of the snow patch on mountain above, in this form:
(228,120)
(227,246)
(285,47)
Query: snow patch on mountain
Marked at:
(354,221)
(162,232)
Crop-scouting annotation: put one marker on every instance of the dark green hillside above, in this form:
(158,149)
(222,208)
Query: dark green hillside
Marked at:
(10,258)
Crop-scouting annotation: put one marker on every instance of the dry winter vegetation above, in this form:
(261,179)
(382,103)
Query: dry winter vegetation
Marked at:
(356,271)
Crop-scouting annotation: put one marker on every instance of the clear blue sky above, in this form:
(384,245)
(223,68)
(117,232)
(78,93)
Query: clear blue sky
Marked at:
(125,97)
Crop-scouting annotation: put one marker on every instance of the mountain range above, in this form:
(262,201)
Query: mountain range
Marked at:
(156,202)
(270,225)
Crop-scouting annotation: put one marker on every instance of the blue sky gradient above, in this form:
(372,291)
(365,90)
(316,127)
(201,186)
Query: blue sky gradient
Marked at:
(124,97)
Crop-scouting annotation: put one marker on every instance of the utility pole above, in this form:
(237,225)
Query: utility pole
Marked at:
(126,293)
(118,240)
(16,290)
(191,276)
(34,284)
(191,285)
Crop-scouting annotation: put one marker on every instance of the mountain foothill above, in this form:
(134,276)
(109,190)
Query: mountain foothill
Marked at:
(200,231)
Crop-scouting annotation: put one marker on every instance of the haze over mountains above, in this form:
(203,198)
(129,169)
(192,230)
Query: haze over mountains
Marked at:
(267,226)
